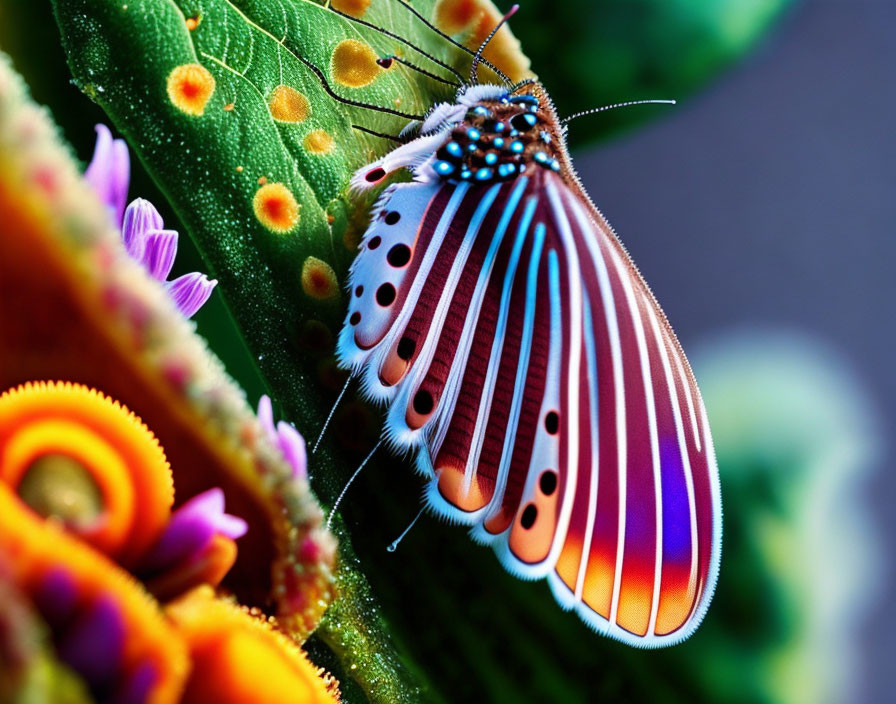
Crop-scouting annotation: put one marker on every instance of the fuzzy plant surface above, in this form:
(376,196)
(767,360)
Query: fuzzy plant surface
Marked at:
(237,109)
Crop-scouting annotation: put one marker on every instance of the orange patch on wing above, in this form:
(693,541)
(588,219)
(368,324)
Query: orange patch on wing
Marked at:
(534,543)
(276,207)
(319,279)
(635,600)
(353,64)
(598,588)
(451,486)
(288,105)
(676,600)
(189,88)
(568,563)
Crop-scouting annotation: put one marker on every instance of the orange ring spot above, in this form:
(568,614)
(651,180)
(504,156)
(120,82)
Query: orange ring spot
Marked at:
(355,8)
(318,142)
(353,64)
(318,279)
(288,105)
(276,207)
(189,88)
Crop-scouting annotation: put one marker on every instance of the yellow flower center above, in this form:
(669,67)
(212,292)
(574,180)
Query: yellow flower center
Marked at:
(58,486)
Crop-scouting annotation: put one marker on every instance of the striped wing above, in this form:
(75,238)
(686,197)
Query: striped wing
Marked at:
(522,355)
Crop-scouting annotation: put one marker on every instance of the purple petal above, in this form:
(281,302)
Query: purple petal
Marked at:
(140,218)
(94,643)
(191,291)
(185,535)
(158,257)
(210,505)
(293,446)
(56,597)
(137,686)
(191,528)
(266,416)
(109,171)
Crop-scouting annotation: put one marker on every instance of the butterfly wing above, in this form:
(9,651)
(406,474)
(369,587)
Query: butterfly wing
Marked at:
(521,353)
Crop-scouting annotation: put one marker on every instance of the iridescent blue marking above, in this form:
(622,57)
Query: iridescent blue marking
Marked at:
(481,111)
(491,158)
(516,147)
(473,134)
(500,127)
(444,168)
(507,169)
(523,121)
(454,149)
(466,174)
(498,142)
(555,165)
(528,99)
(472,147)
(484,174)
(540,158)
(545,137)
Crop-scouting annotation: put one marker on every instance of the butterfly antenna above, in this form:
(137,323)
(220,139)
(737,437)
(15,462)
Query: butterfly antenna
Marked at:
(348,101)
(398,37)
(381,135)
(477,57)
(349,483)
(617,105)
(394,544)
(451,39)
(332,410)
(386,62)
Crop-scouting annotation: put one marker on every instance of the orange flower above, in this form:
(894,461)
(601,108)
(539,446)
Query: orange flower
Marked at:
(237,656)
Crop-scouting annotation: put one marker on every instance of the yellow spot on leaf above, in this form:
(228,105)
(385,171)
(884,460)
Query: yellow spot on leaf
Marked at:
(475,19)
(288,105)
(276,208)
(355,8)
(189,88)
(239,169)
(192,22)
(319,279)
(229,106)
(262,180)
(353,64)
(318,142)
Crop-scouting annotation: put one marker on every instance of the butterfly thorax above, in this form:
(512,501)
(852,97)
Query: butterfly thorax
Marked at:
(499,140)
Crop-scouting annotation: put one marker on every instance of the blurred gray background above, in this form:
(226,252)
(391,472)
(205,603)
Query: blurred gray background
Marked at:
(778,187)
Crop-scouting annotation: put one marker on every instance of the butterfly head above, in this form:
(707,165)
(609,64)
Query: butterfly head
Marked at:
(490,134)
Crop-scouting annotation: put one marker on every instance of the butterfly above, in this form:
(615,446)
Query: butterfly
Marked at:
(527,365)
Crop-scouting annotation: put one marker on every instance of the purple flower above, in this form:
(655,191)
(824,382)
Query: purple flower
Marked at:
(109,172)
(142,229)
(286,437)
(191,528)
